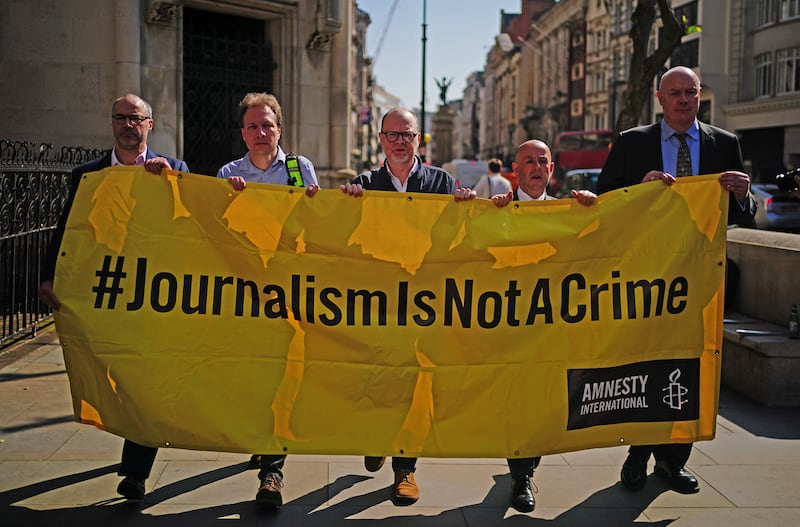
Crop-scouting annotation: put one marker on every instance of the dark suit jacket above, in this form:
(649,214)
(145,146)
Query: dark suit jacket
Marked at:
(638,150)
(428,179)
(92,166)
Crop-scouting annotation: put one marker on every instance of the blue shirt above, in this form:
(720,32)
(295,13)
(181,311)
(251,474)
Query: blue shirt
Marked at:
(670,145)
(276,173)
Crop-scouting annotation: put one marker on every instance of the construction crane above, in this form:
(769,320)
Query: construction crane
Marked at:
(384,31)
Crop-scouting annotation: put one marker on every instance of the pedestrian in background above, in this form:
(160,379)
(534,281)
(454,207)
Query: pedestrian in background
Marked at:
(493,182)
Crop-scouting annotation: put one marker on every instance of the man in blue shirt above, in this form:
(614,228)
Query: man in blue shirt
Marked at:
(265,162)
(678,145)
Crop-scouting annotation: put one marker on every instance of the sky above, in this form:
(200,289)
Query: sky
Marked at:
(459,35)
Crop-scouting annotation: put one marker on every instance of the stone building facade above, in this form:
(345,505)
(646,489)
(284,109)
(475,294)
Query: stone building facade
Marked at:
(65,61)
(568,70)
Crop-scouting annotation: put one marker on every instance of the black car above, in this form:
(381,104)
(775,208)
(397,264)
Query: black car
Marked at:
(777,210)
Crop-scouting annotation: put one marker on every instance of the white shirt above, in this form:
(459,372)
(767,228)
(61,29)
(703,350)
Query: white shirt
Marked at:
(525,197)
(139,161)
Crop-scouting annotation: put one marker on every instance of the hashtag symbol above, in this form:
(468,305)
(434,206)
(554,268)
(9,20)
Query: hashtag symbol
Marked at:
(102,288)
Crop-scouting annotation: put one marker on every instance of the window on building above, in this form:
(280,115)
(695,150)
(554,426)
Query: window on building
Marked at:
(689,11)
(618,18)
(765,12)
(599,121)
(687,54)
(788,71)
(763,65)
(576,73)
(789,9)
(576,108)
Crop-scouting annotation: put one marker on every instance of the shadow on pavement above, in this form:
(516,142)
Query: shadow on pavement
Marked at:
(608,507)
(759,420)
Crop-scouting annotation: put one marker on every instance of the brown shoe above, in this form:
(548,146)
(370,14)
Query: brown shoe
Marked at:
(373,464)
(405,487)
(269,493)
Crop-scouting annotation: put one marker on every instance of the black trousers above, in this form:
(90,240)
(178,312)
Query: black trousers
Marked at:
(137,460)
(674,455)
(521,467)
(271,464)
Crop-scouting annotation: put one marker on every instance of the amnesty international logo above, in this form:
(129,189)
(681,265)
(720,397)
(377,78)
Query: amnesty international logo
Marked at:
(675,396)
(649,391)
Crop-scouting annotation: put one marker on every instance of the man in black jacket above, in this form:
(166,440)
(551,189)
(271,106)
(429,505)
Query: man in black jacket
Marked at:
(131,122)
(403,171)
(678,145)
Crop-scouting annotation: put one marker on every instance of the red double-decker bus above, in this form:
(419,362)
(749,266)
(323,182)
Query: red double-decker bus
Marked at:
(581,149)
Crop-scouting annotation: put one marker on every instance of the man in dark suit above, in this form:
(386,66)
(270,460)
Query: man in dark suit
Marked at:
(678,145)
(131,121)
(533,166)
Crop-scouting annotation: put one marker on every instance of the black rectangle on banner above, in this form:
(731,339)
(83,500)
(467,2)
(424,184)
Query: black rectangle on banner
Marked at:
(662,390)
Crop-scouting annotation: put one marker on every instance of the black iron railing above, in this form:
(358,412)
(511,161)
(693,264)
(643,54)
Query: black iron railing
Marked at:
(34,184)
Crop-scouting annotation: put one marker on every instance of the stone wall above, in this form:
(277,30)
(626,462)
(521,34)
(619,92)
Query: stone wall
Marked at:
(758,358)
(769,273)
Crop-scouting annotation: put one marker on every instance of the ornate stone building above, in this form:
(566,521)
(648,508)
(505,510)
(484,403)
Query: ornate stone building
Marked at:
(192,60)
(568,70)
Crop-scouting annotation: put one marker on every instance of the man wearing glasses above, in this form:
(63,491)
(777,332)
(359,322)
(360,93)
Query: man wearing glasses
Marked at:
(403,171)
(131,122)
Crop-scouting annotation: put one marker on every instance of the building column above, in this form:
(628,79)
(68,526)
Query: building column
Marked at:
(127,47)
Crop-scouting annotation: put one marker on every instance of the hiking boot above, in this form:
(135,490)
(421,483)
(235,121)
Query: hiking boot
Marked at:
(405,487)
(269,493)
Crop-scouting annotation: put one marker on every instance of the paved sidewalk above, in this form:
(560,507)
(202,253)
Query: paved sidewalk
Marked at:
(54,471)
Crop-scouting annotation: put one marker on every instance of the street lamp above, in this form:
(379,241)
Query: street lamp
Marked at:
(423,149)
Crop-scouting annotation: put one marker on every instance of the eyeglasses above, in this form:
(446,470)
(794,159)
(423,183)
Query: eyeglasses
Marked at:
(392,137)
(134,119)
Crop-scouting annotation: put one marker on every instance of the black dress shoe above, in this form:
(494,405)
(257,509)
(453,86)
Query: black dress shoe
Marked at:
(132,488)
(522,495)
(634,473)
(681,480)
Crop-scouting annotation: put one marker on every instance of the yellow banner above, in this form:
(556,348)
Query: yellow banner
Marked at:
(266,321)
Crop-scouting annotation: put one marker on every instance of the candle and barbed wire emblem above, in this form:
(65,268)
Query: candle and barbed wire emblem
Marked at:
(675,391)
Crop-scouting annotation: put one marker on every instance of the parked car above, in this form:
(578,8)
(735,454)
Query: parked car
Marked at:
(580,178)
(777,210)
(466,172)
